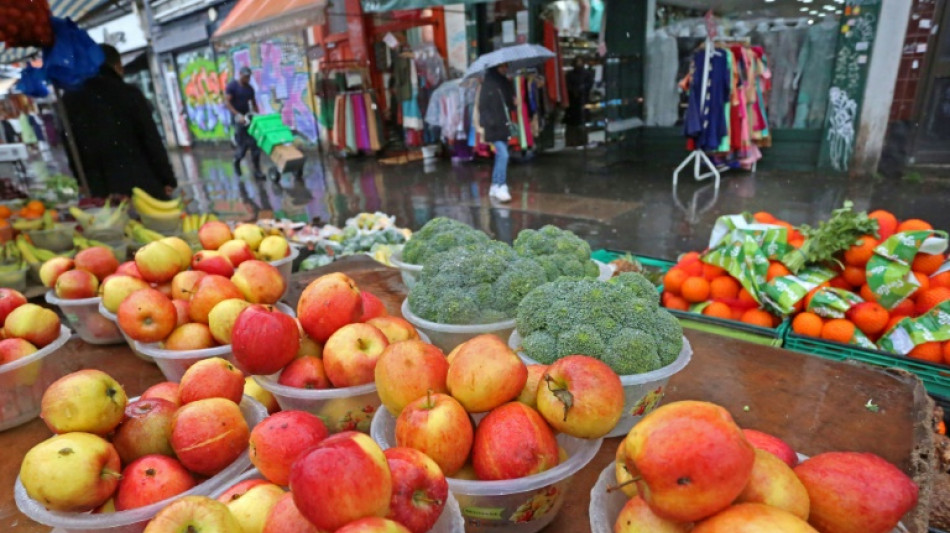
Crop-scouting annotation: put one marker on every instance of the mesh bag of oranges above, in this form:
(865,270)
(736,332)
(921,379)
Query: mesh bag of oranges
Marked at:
(26,23)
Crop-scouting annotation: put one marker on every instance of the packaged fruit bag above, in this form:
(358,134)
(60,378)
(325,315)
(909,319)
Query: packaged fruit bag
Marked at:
(890,273)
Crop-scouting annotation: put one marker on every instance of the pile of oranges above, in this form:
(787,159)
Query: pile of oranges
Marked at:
(32,209)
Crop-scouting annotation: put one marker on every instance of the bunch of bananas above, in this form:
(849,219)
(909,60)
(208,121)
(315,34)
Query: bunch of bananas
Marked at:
(33,224)
(11,260)
(194,222)
(81,242)
(152,207)
(32,254)
(105,218)
(138,233)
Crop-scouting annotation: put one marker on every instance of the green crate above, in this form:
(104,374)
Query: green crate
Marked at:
(936,377)
(268,145)
(605,256)
(264,122)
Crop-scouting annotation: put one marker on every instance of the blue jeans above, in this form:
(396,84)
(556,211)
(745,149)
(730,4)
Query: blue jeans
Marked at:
(499,174)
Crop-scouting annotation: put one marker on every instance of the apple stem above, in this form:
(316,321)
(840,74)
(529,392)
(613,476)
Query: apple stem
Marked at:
(561,394)
(428,404)
(108,472)
(613,488)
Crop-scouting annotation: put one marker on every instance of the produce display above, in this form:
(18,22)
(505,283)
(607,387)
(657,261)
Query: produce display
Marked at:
(558,251)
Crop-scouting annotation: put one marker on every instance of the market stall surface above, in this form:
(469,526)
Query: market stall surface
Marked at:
(814,404)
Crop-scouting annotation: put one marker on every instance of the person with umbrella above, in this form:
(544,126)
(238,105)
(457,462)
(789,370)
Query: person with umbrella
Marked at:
(495,101)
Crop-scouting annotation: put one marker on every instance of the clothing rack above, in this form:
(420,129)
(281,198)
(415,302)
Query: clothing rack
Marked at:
(698,157)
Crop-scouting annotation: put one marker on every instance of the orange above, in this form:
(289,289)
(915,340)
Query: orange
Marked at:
(724,288)
(838,330)
(870,317)
(855,276)
(763,217)
(797,243)
(757,317)
(866,293)
(711,272)
(905,307)
(693,267)
(808,324)
(776,270)
(913,224)
(746,298)
(695,289)
(928,351)
(4,223)
(924,282)
(689,256)
(941,280)
(861,251)
(946,353)
(36,206)
(675,302)
(25,213)
(737,313)
(886,223)
(839,282)
(718,310)
(788,227)
(5,212)
(931,298)
(674,279)
(927,263)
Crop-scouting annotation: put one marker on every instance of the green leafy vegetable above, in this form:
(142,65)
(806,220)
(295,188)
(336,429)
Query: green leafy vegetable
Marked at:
(840,232)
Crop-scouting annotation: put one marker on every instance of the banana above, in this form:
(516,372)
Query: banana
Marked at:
(148,209)
(84,218)
(44,255)
(23,224)
(26,250)
(141,197)
(186,224)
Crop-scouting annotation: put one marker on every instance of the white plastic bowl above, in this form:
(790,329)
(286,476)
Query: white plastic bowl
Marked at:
(523,505)
(23,382)
(286,265)
(135,520)
(344,409)
(15,279)
(408,271)
(642,392)
(84,317)
(111,316)
(448,336)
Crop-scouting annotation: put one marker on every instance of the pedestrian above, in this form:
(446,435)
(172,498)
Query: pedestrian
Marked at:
(241,101)
(495,102)
(117,140)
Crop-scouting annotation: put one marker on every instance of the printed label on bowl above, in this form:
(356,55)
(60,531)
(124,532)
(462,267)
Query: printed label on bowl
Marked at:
(648,403)
(347,414)
(538,504)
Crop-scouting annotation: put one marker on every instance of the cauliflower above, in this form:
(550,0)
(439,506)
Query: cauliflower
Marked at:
(559,252)
(440,235)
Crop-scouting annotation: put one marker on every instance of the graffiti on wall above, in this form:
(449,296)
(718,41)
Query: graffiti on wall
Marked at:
(203,80)
(279,76)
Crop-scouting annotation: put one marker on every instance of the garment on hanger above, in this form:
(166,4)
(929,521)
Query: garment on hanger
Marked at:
(596,15)
(783,47)
(705,123)
(661,98)
(815,62)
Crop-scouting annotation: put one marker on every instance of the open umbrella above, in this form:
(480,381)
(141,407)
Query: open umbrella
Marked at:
(517,57)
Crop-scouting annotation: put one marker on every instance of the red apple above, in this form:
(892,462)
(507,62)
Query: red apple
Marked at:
(373,524)
(438,426)
(284,517)
(419,489)
(259,282)
(406,371)
(211,378)
(149,480)
(213,234)
(212,262)
(305,373)
(183,249)
(493,455)
(13,349)
(773,445)
(372,307)
(237,251)
(396,329)
(100,261)
(129,268)
(529,394)
(38,325)
(251,508)
(581,396)
(146,430)
(485,373)
(165,288)
(10,299)
(53,268)
(342,479)
(74,472)
(208,435)
(147,316)
(166,390)
(117,288)
(184,283)
(350,354)
(277,442)
(209,291)
(194,513)
(76,284)
(158,262)
(190,336)
(263,341)
(240,489)
(327,304)
(181,311)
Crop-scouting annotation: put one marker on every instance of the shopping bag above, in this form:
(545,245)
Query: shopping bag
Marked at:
(33,82)
(73,58)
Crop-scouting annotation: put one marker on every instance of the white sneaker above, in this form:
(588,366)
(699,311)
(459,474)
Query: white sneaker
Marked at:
(502,194)
(493,191)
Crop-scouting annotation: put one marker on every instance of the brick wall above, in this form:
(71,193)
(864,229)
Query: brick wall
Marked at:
(920,39)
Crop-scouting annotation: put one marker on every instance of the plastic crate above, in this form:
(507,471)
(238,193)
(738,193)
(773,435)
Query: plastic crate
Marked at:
(263,122)
(606,256)
(936,377)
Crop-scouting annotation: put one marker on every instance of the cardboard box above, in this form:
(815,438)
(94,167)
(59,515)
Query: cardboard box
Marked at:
(287,158)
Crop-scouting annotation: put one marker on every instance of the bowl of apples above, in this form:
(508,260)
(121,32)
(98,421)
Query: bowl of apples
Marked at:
(30,361)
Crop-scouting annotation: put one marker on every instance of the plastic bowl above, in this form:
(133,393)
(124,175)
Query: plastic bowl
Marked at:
(135,520)
(606,271)
(22,382)
(58,239)
(84,317)
(448,336)
(165,226)
(344,409)
(286,265)
(642,392)
(116,227)
(111,316)
(14,279)
(408,271)
(523,505)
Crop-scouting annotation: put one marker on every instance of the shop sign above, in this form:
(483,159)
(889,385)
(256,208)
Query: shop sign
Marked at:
(125,33)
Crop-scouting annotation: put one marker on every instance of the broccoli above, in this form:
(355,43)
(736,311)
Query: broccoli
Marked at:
(440,235)
(474,284)
(618,322)
(559,252)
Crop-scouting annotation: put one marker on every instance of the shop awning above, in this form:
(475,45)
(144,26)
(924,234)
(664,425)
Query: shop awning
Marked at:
(253,20)
(74,9)
(379,6)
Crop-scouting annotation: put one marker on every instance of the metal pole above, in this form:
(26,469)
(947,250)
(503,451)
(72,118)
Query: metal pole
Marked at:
(71,144)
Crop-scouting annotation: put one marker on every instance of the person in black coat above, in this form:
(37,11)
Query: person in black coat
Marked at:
(495,103)
(118,142)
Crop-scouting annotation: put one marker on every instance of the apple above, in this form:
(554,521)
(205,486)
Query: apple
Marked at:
(183,284)
(108,507)
(309,346)
(129,268)
(774,483)
(284,517)
(263,340)
(165,288)
(100,261)
(373,524)
(73,472)
(529,394)
(158,262)
(373,307)
(240,489)
(209,291)
(53,268)
(146,429)
(252,507)
(117,288)
(166,390)
(101,327)
(212,262)
(208,435)
(772,444)
(222,317)
(396,329)
(493,455)
(273,248)
(276,442)
(211,378)
(87,400)
(10,299)
(262,395)
(485,373)
(252,234)
(213,234)
(305,373)
(190,336)
(181,312)
(853,492)
(183,249)
(419,489)
(147,316)
(13,349)
(437,425)
(636,517)
(581,396)
(755,518)
(76,284)
(327,304)
(151,479)
(350,354)
(194,514)
(406,371)
(237,251)
(342,479)
(625,481)
(38,325)
(259,282)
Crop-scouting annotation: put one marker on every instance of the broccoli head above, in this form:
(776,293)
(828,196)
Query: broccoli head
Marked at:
(559,252)
(474,284)
(617,322)
(640,285)
(440,235)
